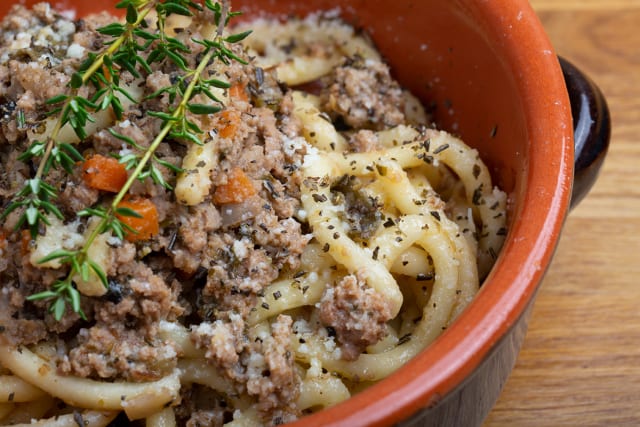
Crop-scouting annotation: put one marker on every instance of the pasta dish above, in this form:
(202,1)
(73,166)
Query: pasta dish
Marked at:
(220,224)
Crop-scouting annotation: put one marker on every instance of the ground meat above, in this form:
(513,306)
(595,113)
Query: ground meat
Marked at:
(123,341)
(22,330)
(261,366)
(363,141)
(356,312)
(33,66)
(106,352)
(11,176)
(223,340)
(205,418)
(192,413)
(32,33)
(274,378)
(237,274)
(76,195)
(105,143)
(364,95)
(86,34)
(194,226)
(155,300)
(38,83)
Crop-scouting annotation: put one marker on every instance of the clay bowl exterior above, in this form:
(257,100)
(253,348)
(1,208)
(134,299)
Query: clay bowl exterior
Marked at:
(488,72)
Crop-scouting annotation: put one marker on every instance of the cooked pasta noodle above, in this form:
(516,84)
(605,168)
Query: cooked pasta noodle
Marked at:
(136,399)
(399,223)
(88,418)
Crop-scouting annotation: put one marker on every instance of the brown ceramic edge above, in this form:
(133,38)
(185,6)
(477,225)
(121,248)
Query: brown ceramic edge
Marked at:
(469,403)
(527,253)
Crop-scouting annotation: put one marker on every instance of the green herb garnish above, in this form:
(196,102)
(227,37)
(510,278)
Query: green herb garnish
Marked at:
(135,48)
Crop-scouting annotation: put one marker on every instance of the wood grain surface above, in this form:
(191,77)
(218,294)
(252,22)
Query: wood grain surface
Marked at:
(580,363)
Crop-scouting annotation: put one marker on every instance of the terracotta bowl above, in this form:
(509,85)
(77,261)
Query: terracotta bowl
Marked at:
(489,73)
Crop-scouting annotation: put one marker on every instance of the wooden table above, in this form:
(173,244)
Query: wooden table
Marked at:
(580,363)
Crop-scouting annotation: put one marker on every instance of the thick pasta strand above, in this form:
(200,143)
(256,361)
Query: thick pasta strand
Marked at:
(373,367)
(246,418)
(28,411)
(15,389)
(323,217)
(411,148)
(180,336)
(322,392)
(289,294)
(164,418)
(138,400)
(316,129)
(412,262)
(87,419)
(199,372)
(473,173)
(296,65)
(399,190)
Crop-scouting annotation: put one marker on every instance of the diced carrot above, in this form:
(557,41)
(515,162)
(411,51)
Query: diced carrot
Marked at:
(144,227)
(239,92)
(228,123)
(104,173)
(25,241)
(237,189)
(4,242)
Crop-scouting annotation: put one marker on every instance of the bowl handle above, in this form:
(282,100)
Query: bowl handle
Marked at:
(591,128)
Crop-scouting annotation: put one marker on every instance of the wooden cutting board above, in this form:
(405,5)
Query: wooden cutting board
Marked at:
(580,364)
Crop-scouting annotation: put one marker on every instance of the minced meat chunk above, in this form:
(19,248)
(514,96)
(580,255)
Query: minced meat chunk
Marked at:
(105,352)
(363,94)
(261,365)
(356,312)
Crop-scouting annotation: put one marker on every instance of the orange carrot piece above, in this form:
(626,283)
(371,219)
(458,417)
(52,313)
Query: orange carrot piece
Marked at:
(237,189)
(3,240)
(228,123)
(104,173)
(25,242)
(144,227)
(239,92)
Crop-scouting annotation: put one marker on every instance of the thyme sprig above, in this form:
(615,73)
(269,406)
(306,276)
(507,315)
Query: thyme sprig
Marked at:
(36,195)
(125,52)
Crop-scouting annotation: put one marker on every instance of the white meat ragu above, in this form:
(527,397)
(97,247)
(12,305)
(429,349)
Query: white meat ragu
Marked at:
(363,94)
(357,313)
(210,262)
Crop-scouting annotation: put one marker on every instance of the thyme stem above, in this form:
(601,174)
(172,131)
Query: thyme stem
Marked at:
(146,7)
(179,112)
